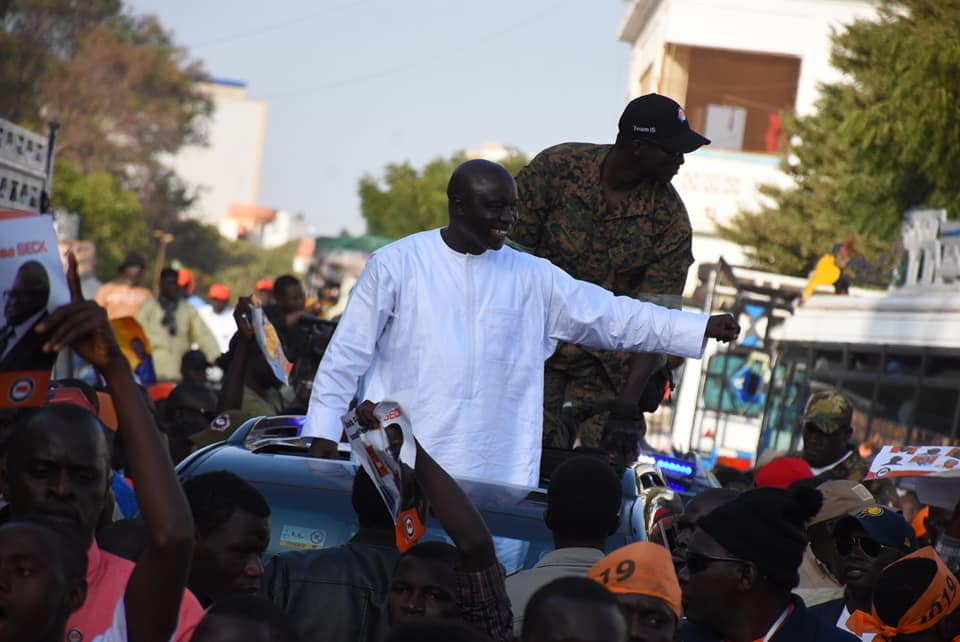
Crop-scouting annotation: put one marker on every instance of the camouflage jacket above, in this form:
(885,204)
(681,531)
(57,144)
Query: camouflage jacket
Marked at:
(641,249)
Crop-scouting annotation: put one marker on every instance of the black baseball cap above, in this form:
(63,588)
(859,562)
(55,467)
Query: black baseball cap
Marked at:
(194,360)
(661,121)
(132,259)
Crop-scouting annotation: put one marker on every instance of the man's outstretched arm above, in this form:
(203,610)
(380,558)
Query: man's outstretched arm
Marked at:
(584,313)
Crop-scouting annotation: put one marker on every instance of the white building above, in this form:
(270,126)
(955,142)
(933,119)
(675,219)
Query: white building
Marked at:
(737,67)
(227,169)
(285,227)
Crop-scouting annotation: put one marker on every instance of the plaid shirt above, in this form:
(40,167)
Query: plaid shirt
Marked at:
(948,548)
(484,603)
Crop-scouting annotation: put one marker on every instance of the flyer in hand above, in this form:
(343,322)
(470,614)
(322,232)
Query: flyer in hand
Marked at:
(381,438)
(936,470)
(270,344)
(33,285)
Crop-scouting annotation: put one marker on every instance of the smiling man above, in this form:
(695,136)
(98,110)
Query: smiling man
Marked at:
(465,324)
(608,214)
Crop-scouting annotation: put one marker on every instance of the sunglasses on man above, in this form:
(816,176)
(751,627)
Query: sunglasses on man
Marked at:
(869,546)
(698,562)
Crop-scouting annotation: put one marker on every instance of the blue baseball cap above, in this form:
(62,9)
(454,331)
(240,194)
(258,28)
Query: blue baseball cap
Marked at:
(883,524)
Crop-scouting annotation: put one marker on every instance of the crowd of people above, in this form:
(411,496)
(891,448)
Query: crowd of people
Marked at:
(485,345)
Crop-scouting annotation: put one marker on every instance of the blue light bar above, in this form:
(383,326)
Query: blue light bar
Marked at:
(669,465)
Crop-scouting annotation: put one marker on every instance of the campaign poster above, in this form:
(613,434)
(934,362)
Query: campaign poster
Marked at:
(915,461)
(935,469)
(270,345)
(136,348)
(381,439)
(33,285)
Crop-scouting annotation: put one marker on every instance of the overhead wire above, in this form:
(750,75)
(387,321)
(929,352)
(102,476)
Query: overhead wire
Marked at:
(419,61)
(279,25)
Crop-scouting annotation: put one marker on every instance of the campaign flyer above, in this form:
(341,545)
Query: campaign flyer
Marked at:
(33,285)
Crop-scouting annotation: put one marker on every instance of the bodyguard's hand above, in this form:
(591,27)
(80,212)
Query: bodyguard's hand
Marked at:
(722,327)
(82,325)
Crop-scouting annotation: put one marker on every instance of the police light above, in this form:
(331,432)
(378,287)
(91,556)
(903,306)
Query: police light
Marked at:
(669,465)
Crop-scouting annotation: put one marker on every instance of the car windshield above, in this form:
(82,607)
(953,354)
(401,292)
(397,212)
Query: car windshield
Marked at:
(320,515)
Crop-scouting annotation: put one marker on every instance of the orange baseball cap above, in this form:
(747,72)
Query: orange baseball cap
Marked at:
(185,279)
(219,291)
(107,413)
(265,284)
(642,568)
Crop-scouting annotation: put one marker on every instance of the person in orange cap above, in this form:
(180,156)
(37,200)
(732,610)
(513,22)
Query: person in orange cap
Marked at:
(188,284)
(265,291)
(916,599)
(218,315)
(642,577)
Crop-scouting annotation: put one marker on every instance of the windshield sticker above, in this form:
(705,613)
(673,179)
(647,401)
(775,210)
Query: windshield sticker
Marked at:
(302,537)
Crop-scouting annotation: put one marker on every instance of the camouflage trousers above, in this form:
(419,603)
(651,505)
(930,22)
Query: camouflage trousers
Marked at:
(585,384)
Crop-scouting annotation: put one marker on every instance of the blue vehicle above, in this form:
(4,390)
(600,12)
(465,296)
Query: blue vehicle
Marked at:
(310,498)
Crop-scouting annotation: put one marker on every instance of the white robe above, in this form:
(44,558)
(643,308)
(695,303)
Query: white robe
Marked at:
(467,336)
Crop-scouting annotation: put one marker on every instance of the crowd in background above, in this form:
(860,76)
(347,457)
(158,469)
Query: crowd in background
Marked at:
(100,541)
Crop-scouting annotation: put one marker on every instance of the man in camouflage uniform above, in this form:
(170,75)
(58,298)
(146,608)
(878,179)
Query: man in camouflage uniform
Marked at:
(827,430)
(608,214)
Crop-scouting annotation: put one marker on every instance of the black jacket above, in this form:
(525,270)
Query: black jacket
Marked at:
(27,353)
(801,626)
(829,612)
(336,593)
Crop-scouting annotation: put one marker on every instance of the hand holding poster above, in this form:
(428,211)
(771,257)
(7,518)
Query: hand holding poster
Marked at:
(381,437)
(33,284)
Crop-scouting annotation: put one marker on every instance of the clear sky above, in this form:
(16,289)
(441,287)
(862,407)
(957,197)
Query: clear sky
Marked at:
(354,85)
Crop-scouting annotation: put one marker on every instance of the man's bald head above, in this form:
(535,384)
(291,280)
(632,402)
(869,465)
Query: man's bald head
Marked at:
(28,294)
(469,174)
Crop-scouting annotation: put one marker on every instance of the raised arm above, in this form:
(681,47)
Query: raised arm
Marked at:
(348,356)
(457,514)
(155,589)
(231,393)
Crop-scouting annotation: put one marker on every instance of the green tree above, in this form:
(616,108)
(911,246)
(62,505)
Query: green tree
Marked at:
(406,200)
(122,90)
(111,217)
(250,263)
(884,140)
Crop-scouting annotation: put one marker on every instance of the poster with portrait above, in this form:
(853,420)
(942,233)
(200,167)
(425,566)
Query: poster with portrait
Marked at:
(33,285)
(381,440)
(269,341)
(136,348)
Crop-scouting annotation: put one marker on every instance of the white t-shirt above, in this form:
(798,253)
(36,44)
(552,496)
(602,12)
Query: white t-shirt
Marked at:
(842,625)
(118,628)
(222,326)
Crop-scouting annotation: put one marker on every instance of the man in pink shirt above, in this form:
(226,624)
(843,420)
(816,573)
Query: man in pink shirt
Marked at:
(57,467)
